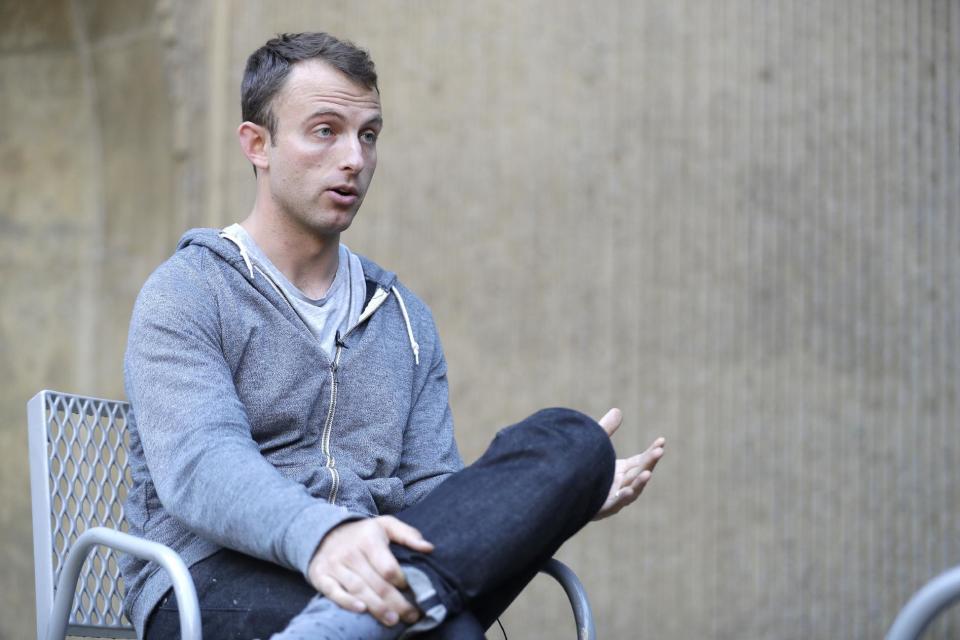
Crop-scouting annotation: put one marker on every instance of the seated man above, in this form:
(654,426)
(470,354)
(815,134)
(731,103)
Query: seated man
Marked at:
(291,436)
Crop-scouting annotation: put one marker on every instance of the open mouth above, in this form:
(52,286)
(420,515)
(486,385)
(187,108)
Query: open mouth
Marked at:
(343,195)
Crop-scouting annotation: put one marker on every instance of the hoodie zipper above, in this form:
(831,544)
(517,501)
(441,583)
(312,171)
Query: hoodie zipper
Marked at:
(334,366)
(332,408)
(330,462)
(328,424)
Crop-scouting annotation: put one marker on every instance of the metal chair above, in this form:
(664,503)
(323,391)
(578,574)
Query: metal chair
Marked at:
(925,605)
(78,482)
(79,479)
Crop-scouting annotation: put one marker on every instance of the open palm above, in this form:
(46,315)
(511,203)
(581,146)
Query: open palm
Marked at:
(630,475)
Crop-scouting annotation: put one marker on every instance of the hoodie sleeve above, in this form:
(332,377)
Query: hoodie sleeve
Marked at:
(207,469)
(429,449)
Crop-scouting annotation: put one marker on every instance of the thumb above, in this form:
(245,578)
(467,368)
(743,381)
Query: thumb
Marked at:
(402,533)
(611,421)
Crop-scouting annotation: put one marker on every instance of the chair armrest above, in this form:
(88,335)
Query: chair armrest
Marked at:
(571,584)
(161,554)
(925,605)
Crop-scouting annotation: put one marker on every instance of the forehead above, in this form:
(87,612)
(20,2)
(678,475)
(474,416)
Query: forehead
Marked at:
(314,83)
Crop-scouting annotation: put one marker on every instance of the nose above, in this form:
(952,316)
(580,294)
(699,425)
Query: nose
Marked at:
(351,158)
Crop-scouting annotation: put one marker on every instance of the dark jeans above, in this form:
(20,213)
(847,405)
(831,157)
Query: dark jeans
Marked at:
(493,525)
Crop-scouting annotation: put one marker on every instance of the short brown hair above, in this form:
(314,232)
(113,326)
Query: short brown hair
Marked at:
(268,68)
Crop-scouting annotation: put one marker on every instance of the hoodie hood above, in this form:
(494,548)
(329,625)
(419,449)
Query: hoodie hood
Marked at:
(380,282)
(231,250)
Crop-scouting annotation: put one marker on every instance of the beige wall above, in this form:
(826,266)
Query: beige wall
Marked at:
(738,221)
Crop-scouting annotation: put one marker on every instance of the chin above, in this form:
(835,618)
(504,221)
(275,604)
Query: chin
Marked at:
(327,224)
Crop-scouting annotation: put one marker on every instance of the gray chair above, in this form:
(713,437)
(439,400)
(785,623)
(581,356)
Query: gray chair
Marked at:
(925,605)
(78,481)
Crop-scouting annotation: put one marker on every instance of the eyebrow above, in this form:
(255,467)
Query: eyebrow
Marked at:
(375,120)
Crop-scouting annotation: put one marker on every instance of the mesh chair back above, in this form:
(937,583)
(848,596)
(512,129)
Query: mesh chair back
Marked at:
(79,479)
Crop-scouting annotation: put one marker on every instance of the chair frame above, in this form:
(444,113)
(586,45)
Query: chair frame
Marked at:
(925,605)
(58,571)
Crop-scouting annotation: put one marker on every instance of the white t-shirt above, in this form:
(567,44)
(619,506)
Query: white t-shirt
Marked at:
(337,311)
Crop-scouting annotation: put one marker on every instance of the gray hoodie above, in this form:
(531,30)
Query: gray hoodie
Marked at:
(245,435)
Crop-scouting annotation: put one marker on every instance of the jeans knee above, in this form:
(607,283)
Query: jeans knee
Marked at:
(581,442)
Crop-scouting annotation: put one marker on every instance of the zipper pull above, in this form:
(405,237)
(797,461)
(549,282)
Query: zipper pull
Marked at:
(338,341)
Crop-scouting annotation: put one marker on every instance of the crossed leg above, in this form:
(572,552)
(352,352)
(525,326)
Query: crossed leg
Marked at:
(493,525)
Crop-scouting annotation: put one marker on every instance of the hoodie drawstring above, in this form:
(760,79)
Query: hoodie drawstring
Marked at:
(406,318)
(414,346)
(243,250)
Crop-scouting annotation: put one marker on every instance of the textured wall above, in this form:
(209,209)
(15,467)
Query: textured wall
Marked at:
(86,192)
(738,221)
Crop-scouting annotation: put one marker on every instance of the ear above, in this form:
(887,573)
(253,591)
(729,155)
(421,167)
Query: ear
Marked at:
(254,140)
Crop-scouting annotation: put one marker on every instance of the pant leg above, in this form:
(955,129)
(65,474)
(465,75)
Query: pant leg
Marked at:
(241,598)
(491,605)
(494,523)
(462,626)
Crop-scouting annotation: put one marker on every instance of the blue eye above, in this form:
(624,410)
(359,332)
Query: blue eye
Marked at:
(370,137)
(323,132)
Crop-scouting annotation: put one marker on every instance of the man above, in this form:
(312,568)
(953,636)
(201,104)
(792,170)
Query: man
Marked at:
(291,435)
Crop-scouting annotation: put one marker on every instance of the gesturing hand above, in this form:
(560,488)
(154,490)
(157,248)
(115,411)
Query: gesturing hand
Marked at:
(630,475)
(354,568)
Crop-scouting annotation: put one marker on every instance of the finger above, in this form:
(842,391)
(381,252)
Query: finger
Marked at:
(634,484)
(386,565)
(402,533)
(623,497)
(350,581)
(611,421)
(360,581)
(626,464)
(653,457)
(638,484)
(622,480)
(646,460)
(332,589)
(655,449)
(631,475)
(383,600)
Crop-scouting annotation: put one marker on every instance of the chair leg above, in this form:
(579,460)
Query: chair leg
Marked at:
(582,613)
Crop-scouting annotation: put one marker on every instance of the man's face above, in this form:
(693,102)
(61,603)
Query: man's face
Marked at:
(324,150)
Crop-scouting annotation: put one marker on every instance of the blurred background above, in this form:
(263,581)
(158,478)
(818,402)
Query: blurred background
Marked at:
(739,221)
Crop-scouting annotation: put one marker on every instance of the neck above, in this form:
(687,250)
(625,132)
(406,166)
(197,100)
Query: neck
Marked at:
(308,259)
